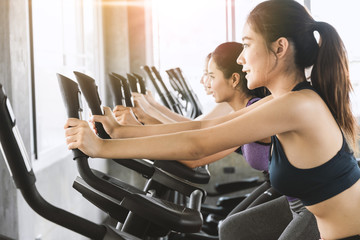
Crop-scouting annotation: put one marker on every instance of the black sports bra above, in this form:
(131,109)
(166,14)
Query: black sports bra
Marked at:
(316,184)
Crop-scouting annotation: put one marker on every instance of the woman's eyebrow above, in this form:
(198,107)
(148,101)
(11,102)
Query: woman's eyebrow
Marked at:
(246,38)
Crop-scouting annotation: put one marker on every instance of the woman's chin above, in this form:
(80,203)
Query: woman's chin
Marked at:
(216,99)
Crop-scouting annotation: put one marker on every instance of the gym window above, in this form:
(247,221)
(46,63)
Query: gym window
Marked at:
(65,38)
(185,32)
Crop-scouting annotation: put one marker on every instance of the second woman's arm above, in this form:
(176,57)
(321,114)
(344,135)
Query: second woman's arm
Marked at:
(115,130)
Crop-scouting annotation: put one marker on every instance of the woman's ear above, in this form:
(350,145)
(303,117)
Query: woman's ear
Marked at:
(235,78)
(280,47)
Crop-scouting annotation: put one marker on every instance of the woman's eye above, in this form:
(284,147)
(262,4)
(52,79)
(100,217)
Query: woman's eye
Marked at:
(245,45)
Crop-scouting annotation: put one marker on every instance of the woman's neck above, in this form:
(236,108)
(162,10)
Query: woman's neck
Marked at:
(239,102)
(285,83)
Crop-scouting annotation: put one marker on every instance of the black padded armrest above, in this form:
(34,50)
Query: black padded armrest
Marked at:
(108,204)
(222,188)
(175,183)
(198,175)
(138,165)
(161,212)
(231,202)
(117,182)
(164,213)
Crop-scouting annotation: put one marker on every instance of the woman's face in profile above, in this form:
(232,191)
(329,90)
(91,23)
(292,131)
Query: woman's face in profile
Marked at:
(205,79)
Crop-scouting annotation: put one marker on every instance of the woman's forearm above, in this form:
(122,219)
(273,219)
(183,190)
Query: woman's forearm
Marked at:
(158,129)
(205,123)
(208,159)
(168,113)
(117,131)
(159,115)
(142,131)
(220,109)
(165,147)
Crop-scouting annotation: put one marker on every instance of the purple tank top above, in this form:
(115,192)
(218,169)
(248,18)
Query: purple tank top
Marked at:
(256,153)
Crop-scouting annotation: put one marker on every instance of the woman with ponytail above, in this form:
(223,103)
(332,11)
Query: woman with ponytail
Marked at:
(309,119)
(326,178)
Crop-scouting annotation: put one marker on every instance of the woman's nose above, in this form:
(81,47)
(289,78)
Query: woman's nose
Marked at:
(208,83)
(202,79)
(240,59)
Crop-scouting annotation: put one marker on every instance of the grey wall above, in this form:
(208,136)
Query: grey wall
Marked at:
(123,53)
(4,44)
(8,210)
(127,38)
(137,37)
(116,42)
(8,194)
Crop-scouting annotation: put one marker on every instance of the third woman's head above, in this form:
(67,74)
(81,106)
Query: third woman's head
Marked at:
(205,77)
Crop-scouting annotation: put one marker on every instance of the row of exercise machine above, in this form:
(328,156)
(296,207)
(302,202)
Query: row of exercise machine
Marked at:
(171,205)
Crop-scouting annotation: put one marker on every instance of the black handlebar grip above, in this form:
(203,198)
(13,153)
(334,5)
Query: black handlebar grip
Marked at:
(141,82)
(91,94)
(115,88)
(71,97)
(126,88)
(133,82)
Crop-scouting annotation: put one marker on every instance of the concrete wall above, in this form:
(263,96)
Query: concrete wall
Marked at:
(137,35)
(8,194)
(4,44)
(127,37)
(124,52)
(8,208)
(116,41)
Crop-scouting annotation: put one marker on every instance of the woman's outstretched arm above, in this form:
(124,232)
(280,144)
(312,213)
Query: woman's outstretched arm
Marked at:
(115,130)
(208,159)
(158,109)
(189,145)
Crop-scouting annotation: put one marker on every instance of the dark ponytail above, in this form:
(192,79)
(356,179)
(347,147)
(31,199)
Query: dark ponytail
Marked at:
(330,77)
